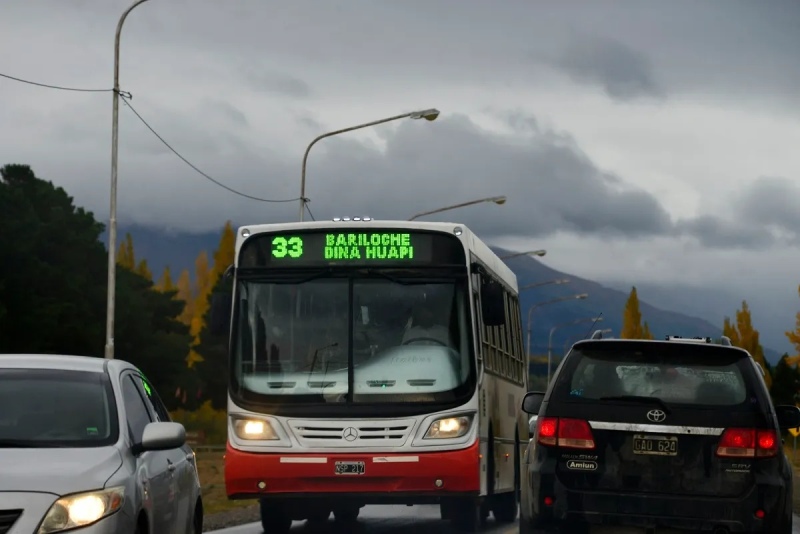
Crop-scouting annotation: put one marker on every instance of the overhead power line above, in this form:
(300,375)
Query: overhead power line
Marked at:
(59,87)
(201,173)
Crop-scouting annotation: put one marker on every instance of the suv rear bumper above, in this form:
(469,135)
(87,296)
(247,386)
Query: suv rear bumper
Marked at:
(689,512)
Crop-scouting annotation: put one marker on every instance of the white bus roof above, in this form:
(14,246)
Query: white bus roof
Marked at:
(472,242)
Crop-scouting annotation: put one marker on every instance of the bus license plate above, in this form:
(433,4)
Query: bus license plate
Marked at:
(656,445)
(349,468)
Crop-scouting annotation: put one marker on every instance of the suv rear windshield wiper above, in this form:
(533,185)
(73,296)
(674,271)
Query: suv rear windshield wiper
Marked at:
(638,398)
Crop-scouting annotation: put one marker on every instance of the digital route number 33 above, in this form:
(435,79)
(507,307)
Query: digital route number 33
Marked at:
(282,246)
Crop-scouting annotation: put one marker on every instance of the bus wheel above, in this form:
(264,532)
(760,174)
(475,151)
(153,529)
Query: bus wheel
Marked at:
(467,516)
(274,519)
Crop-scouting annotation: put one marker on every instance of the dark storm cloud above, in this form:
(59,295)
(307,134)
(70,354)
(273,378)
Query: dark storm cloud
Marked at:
(550,184)
(772,201)
(621,71)
(713,232)
(277,83)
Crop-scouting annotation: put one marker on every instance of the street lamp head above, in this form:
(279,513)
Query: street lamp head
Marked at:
(427,114)
(539,253)
(562,281)
(498,200)
(582,296)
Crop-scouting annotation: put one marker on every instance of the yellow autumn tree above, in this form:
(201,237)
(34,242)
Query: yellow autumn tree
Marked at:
(125,255)
(166,284)
(184,287)
(632,327)
(143,270)
(794,338)
(202,286)
(743,335)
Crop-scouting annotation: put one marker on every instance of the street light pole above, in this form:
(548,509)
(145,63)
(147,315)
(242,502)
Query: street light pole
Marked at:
(112,217)
(497,200)
(428,114)
(556,327)
(581,296)
(538,253)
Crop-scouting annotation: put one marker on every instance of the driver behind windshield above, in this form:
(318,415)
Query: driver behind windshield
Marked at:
(426,328)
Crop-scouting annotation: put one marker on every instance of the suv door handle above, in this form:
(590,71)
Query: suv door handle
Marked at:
(170,466)
(190,457)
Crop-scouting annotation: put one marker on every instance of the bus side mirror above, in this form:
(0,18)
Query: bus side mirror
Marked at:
(220,313)
(493,306)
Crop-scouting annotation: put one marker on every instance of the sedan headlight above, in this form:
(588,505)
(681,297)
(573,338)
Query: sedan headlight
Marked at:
(254,429)
(82,509)
(449,427)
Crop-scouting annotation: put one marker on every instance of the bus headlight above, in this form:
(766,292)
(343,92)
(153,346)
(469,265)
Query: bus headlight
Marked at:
(449,427)
(254,429)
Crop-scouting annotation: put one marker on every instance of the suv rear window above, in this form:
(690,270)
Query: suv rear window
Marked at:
(675,373)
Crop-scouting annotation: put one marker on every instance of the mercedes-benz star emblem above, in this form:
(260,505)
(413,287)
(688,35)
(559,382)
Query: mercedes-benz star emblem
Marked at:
(350,434)
(656,416)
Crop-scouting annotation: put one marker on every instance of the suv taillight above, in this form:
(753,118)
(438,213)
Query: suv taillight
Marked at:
(564,432)
(748,443)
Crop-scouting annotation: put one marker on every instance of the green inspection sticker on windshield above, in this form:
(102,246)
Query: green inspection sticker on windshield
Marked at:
(146,386)
(92,431)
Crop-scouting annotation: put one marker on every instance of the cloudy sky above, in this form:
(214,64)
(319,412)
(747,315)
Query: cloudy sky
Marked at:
(644,141)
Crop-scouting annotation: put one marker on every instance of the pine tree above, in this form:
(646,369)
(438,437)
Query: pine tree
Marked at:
(224,255)
(126,257)
(794,338)
(166,285)
(744,336)
(143,270)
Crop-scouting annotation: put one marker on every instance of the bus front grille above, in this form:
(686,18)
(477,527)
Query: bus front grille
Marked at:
(339,433)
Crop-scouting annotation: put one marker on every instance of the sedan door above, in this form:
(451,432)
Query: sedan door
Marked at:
(153,473)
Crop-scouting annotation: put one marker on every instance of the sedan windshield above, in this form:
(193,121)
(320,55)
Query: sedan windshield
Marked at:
(372,338)
(46,408)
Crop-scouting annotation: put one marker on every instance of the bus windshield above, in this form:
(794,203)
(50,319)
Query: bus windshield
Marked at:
(361,336)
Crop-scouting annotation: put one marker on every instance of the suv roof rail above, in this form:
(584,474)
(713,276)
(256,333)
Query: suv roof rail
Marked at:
(723,340)
(597,334)
(696,339)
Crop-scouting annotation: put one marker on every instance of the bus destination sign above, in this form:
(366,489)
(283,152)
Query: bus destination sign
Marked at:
(337,247)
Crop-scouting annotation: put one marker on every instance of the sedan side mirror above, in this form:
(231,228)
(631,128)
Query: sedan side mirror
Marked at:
(163,436)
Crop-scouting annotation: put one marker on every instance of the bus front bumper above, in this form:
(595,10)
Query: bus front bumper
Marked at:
(433,474)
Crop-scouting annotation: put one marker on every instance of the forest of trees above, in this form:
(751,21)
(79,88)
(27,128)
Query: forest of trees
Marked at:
(53,291)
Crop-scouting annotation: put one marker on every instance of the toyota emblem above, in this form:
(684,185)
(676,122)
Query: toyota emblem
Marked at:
(350,434)
(656,416)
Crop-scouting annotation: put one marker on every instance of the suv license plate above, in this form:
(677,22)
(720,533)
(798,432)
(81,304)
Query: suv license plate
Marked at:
(349,468)
(655,445)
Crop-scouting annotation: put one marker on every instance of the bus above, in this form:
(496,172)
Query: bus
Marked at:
(372,362)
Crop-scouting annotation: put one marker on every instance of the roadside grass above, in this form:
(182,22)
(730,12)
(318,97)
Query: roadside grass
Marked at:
(211,468)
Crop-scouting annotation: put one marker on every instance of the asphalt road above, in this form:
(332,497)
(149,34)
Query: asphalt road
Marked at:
(400,519)
(422,519)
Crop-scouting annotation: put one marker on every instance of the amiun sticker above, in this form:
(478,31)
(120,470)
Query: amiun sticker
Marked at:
(581,465)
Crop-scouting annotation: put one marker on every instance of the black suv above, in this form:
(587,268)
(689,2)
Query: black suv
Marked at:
(636,436)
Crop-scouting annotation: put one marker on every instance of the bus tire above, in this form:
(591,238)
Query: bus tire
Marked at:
(469,517)
(274,518)
(505,507)
(346,515)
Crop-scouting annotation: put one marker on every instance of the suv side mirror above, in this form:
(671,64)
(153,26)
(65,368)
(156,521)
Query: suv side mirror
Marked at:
(532,402)
(788,416)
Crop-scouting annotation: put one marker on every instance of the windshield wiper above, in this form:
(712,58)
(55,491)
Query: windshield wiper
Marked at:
(639,398)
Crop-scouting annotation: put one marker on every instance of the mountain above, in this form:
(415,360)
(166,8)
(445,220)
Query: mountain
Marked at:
(179,249)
